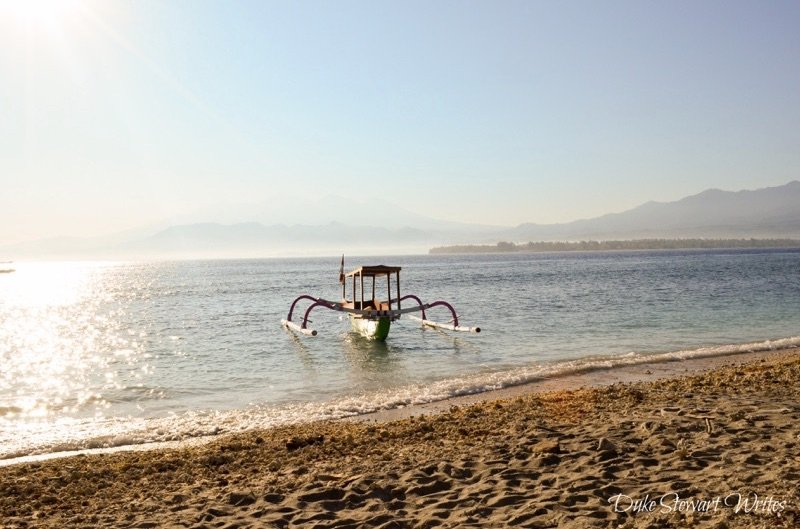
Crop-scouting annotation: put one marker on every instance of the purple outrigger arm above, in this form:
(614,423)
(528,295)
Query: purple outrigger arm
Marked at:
(291,309)
(317,303)
(423,306)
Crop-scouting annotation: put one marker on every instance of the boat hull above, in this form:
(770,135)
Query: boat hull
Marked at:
(374,329)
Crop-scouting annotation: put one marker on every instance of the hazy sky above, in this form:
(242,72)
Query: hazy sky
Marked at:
(114,114)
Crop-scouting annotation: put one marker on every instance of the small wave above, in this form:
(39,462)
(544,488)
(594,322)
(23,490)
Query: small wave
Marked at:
(479,383)
(104,434)
(723,350)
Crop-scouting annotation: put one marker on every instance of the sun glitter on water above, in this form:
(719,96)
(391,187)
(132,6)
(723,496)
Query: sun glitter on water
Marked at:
(47,284)
(51,336)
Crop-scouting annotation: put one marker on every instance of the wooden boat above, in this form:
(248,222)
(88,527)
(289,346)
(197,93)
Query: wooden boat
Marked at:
(371,316)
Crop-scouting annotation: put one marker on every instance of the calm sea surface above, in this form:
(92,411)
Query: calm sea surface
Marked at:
(111,354)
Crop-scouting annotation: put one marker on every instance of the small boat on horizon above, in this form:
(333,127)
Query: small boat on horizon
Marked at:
(371,316)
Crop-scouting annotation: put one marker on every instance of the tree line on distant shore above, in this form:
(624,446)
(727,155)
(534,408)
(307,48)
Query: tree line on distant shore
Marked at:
(636,244)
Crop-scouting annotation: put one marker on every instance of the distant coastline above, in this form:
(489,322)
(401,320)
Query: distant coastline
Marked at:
(636,244)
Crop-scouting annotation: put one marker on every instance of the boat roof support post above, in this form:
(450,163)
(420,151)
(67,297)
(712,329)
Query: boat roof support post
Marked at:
(389,287)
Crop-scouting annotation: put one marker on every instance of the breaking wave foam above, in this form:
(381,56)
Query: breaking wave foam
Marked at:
(42,440)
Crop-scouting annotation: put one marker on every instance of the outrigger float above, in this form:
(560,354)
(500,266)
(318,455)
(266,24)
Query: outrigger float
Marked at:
(372,317)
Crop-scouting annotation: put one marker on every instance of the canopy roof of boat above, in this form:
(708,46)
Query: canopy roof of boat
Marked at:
(372,271)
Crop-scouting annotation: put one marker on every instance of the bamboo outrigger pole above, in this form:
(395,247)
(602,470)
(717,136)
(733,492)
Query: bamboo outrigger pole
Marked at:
(447,326)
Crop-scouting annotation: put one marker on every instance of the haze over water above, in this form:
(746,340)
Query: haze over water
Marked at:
(109,354)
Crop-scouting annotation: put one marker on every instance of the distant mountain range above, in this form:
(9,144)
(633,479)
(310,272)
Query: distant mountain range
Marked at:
(764,213)
(772,212)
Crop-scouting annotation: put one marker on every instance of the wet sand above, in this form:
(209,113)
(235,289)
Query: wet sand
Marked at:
(716,447)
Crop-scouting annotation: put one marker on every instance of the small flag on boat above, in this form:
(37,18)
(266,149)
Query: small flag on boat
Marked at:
(341,271)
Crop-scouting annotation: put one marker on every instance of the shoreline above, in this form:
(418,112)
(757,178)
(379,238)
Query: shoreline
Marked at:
(623,245)
(593,377)
(646,368)
(572,456)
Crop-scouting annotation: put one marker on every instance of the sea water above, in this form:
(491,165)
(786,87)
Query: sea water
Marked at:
(119,354)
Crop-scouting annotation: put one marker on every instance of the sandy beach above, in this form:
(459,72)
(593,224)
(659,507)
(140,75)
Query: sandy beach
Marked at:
(716,446)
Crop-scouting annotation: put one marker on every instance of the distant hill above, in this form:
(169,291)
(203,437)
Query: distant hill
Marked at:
(771,213)
(247,239)
(253,239)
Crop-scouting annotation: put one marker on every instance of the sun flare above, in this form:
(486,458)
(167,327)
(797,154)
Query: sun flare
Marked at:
(39,14)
